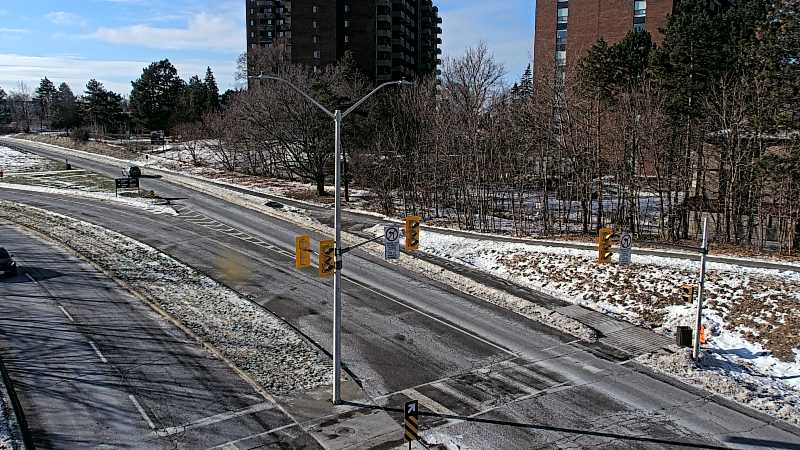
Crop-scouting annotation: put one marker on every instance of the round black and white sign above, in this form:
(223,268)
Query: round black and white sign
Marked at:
(392,234)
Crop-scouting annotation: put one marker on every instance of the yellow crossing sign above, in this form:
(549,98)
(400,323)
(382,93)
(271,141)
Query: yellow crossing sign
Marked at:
(411,419)
(327,258)
(302,252)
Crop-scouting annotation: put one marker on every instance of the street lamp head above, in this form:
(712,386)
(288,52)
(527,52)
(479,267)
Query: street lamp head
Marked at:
(263,76)
(405,82)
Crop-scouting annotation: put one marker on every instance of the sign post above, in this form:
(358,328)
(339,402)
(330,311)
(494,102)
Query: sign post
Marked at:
(698,323)
(391,242)
(411,422)
(625,246)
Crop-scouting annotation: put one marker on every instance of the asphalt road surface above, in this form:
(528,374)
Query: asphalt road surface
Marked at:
(96,368)
(405,337)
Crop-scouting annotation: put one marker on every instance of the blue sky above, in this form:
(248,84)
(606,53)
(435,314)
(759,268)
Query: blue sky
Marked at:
(111,40)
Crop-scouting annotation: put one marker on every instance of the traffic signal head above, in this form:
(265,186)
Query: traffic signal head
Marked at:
(327,258)
(412,233)
(604,252)
(302,252)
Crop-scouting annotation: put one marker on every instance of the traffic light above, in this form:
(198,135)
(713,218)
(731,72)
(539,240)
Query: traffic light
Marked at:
(327,258)
(302,252)
(604,245)
(412,233)
(688,293)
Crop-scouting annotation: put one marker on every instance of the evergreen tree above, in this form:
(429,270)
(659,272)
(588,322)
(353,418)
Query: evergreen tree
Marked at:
(213,91)
(692,57)
(526,83)
(102,108)
(45,96)
(65,109)
(5,113)
(606,70)
(193,103)
(156,95)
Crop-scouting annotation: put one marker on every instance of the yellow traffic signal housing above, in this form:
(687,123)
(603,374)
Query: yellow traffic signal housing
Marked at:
(327,258)
(604,252)
(302,252)
(412,233)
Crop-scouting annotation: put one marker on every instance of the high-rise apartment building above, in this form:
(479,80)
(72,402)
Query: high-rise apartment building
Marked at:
(567,29)
(390,39)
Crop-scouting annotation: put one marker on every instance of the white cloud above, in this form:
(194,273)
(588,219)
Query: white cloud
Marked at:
(203,32)
(64,18)
(13,30)
(114,74)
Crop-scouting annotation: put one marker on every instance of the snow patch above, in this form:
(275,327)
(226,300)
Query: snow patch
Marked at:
(148,205)
(254,340)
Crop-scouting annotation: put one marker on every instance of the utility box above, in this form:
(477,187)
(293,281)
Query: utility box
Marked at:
(683,336)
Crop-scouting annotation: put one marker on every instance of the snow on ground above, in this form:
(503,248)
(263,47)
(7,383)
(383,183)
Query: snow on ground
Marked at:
(16,161)
(750,314)
(255,341)
(149,205)
(5,426)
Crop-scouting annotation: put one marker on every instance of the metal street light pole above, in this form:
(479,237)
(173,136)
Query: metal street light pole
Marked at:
(338,116)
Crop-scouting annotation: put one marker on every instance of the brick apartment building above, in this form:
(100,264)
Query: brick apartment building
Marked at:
(390,39)
(567,29)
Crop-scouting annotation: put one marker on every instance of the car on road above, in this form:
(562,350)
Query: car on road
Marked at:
(8,268)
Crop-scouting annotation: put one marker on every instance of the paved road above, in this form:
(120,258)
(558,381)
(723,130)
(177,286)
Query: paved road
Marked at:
(407,338)
(354,221)
(95,368)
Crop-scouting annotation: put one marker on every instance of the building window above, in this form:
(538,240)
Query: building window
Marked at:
(314,9)
(314,24)
(316,54)
(561,39)
(347,8)
(347,24)
(639,27)
(561,58)
(347,39)
(640,8)
(315,39)
(563,15)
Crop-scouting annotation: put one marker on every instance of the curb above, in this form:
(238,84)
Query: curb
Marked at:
(18,424)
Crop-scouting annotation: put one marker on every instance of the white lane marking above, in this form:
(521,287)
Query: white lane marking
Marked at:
(461,330)
(524,388)
(427,402)
(232,444)
(66,313)
(215,419)
(463,397)
(141,411)
(97,350)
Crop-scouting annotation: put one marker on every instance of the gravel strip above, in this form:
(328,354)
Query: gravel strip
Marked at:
(260,344)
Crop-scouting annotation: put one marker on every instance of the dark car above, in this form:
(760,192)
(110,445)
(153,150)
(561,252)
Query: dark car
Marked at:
(8,268)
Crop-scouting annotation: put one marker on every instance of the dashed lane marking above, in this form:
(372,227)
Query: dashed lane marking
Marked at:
(66,313)
(97,350)
(142,412)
